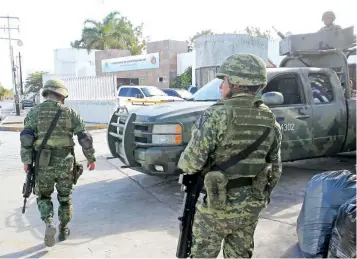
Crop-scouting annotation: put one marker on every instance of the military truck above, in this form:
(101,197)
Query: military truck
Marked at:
(309,94)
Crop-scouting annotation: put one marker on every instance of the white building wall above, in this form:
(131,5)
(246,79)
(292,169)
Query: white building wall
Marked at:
(76,62)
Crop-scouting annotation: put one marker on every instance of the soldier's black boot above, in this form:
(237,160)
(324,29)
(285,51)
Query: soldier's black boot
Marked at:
(64,232)
(50,234)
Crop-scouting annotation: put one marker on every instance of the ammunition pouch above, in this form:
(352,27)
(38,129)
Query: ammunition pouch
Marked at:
(27,138)
(85,140)
(215,183)
(77,172)
(261,183)
(45,158)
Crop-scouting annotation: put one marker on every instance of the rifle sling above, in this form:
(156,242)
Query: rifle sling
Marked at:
(243,154)
(46,137)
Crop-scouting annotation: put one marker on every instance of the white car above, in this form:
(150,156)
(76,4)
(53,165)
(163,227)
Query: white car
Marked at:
(143,95)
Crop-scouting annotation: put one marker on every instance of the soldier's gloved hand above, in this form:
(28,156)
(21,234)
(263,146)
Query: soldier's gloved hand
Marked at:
(91,166)
(26,167)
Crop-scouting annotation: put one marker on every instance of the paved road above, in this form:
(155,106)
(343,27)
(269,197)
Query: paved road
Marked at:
(123,213)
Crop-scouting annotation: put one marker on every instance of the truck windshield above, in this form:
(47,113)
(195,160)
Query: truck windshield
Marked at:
(153,91)
(209,92)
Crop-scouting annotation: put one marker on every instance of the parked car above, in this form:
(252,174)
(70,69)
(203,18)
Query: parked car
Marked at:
(143,95)
(192,89)
(27,103)
(182,93)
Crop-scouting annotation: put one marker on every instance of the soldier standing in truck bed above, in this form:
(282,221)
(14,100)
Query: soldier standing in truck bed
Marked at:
(328,18)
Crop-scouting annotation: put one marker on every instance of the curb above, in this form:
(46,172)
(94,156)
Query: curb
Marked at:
(10,122)
(20,128)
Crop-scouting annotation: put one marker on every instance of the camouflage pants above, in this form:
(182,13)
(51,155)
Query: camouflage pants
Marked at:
(59,173)
(235,226)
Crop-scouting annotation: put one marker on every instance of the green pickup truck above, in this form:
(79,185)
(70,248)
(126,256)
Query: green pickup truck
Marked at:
(309,94)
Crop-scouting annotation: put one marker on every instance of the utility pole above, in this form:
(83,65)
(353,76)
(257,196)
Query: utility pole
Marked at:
(22,88)
(13,69)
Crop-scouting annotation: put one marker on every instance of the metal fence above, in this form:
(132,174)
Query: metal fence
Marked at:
(90,87)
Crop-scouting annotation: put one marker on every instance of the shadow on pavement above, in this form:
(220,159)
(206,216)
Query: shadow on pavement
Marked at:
(114,204)
(27,252)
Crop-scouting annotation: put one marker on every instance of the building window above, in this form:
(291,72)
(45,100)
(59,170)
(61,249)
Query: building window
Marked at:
(160,79)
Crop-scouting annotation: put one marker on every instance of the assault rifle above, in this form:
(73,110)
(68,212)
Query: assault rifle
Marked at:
(29,185)
(192,184)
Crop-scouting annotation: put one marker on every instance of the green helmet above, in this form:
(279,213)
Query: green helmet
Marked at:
(328,14)
(244,69)
(56,86)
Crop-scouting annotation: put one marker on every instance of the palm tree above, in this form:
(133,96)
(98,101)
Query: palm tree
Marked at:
(112,33)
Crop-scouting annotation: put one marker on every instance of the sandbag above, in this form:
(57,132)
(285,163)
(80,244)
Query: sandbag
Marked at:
(343,237)
(324,195)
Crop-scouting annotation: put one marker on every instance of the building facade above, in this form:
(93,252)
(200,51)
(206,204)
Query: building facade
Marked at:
(156,68)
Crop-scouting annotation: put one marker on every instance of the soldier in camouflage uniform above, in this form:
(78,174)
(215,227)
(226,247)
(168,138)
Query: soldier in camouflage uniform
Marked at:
(59,169)
(236,196)
(328,18)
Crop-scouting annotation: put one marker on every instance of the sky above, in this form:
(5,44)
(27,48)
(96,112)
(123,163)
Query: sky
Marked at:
(46,25)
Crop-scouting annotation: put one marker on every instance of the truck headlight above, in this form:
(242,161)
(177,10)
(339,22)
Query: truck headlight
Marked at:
(167,134)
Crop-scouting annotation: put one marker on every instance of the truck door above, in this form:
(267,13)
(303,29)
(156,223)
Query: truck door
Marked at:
(329,111)
(294,115)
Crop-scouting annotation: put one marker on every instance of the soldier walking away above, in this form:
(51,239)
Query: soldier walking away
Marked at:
(328,18)
(55,162)
(236,190)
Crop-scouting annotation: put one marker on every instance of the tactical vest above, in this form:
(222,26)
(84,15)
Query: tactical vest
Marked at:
(62,135)
(246,123)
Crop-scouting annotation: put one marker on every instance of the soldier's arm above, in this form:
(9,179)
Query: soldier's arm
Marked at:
(206,133)
(274,157)
(85,139)
(28,136)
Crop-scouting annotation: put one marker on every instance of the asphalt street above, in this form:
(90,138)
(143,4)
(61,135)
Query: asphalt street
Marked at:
(123,213)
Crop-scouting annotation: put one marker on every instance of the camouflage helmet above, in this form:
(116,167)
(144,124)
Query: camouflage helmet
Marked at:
(244,69)
(56,86)
(328,14)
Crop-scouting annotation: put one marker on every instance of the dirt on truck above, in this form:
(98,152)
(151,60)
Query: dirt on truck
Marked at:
(309,94)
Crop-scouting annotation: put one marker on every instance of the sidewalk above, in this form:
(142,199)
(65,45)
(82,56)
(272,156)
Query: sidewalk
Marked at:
(16,123)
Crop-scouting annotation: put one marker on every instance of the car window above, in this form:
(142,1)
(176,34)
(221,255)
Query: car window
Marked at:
(170,92)
(321,88)
(289,85)
(209,92)
(133,92)
(123,92)
(153,91)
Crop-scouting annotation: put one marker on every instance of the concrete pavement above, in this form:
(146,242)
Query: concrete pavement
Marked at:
(123,213)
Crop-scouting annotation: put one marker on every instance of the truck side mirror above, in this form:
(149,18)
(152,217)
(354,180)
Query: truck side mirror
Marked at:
(273,98)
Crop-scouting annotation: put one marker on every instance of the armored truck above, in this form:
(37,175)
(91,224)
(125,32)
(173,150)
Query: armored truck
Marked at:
(309,93)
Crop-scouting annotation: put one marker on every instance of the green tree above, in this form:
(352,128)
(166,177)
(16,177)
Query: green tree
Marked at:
(33,82)
(114,32)
(183,80)
(257,32)
(5,93)
(191,41)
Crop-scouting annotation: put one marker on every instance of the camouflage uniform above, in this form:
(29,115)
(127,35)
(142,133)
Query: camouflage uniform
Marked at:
(222,131)
(331,27)
(60,167)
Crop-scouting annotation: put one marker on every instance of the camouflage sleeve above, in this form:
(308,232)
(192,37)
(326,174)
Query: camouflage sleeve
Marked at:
(79,127)
(30,122)
(274,157)
(206,133)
